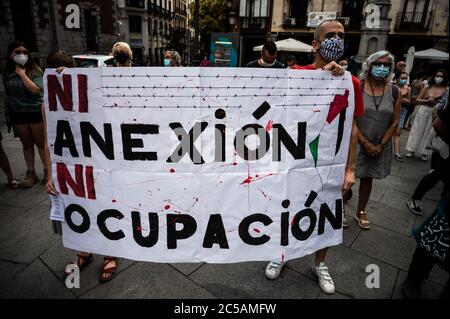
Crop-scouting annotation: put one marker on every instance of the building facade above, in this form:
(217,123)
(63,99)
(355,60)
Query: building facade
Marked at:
(404,23)
(147,25)
(42,26)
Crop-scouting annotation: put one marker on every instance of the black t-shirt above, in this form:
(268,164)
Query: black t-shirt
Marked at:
(255,64)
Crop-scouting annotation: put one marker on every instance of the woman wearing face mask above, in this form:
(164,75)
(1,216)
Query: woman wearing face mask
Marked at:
(405,93)
(123,54)
(172,58)
(24,97)
(376,127)
(427,99)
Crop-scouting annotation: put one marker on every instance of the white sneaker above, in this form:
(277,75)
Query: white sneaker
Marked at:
(273,269)
(325,281)
(409,154)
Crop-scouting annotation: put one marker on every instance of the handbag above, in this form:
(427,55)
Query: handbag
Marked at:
(433,235)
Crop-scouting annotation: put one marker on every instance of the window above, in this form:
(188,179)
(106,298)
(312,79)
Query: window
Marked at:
(3,20)
(135,24)
(155,27)
(23,23)
(150,26)
(415,10)
(161,28)
(136,3)
(254,8)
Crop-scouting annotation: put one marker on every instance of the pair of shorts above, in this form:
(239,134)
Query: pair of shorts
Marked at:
(25,117)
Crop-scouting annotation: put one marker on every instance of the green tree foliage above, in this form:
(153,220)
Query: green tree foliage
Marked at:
(176,40)
(212,18)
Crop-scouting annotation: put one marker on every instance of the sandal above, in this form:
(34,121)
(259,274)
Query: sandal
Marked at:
(86,261)
(14,183)
(108,273)
(363,223)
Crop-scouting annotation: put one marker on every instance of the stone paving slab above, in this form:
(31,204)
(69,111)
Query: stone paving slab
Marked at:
(9,270)
(149,280)
(36,281)
(187,268)
(429,290)
(28,236)
(392,248)
(247,280)
(347,267)
(24,197)
(9,213)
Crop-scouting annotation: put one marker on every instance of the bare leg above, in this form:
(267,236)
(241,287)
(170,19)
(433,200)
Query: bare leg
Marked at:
(397,141)
(26,137)
(37,130)
(320,256)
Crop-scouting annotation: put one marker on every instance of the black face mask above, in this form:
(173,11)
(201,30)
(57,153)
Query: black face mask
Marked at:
(121,57)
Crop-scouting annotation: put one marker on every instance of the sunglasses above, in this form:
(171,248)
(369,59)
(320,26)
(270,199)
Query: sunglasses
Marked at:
(388,65)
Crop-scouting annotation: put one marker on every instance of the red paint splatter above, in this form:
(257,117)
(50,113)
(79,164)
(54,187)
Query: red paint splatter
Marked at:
(113,200)
(269,126)
(282,258)
(256,230)
(340,102)
(315,111)
(139,228)
(231,164)
(172,170)
(248,180)
(166,207)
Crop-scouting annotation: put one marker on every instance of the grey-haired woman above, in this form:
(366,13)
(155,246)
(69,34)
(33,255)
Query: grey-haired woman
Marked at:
(376,127)
(172,58)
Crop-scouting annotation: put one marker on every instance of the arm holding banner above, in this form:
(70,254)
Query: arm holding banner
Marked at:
(49,186)
(349,179)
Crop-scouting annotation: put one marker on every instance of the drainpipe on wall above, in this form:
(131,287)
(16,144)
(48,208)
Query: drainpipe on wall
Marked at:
(51,13)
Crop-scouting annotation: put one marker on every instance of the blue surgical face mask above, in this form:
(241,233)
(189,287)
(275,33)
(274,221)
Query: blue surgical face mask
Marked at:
(167,62)
(402,82)
(380,71)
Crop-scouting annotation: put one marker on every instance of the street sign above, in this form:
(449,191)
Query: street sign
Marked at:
(315,18)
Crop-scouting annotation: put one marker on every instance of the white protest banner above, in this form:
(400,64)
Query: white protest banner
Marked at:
(217,165)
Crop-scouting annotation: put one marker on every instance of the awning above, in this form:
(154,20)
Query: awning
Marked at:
(290,45)
(431,54)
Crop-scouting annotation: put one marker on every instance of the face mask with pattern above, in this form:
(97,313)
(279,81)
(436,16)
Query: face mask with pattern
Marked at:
(331,49)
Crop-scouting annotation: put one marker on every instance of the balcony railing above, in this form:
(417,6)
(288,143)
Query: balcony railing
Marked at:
(413,21)
(254,23)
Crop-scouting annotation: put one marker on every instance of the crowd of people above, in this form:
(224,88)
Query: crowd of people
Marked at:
(385,104)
